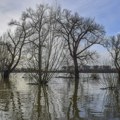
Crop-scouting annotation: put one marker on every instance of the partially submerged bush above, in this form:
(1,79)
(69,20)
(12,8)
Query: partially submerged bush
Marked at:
(108,81)
(94,76)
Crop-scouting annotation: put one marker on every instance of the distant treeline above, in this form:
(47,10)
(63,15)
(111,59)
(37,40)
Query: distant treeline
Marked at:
(70,70)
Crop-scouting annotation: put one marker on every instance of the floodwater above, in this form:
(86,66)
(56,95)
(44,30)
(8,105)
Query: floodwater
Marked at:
(62,99)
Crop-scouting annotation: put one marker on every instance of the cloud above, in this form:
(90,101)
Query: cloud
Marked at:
(105,12)
(12,9)
(8,10)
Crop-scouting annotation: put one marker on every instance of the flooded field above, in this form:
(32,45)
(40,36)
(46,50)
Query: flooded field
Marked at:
(61,99)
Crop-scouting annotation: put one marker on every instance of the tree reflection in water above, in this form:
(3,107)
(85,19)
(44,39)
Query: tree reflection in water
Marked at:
(73,104)
(46,104)
(13,103)
(10,104)
(62,99)
(41,105)
(111,104)
(91,103)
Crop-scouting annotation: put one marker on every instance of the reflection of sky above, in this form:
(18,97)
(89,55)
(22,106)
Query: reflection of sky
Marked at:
(105,12)
(22,102)
(96,97)
(90,100)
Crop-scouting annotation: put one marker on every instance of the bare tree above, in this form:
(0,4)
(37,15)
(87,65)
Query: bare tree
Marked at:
(3,56)
(38,20)
(113,46)
(79,34)
(45,49)
(13,44)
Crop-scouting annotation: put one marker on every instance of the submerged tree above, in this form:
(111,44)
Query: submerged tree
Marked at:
(12,44)
(45,49)
(79,34)
(3,54)
(113,46)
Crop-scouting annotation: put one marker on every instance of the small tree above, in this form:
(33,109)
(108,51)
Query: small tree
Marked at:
(113,46)
(79,34)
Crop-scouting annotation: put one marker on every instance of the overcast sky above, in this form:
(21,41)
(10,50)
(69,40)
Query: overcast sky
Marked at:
(105,12)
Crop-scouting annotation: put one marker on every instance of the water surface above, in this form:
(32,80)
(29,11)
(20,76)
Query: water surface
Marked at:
(62,99)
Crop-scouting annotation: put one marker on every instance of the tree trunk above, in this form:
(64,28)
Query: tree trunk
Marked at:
(40,62)
(75,99)
(119,77)
(6,75)
(76,70)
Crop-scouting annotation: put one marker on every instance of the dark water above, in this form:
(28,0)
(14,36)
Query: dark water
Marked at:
(62,99)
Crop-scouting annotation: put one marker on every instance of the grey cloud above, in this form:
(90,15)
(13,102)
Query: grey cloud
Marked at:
(102,10)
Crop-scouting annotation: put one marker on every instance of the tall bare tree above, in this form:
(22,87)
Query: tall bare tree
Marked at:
(45,49)
(79,34)
(38,20)
(13,44)
(113,46)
